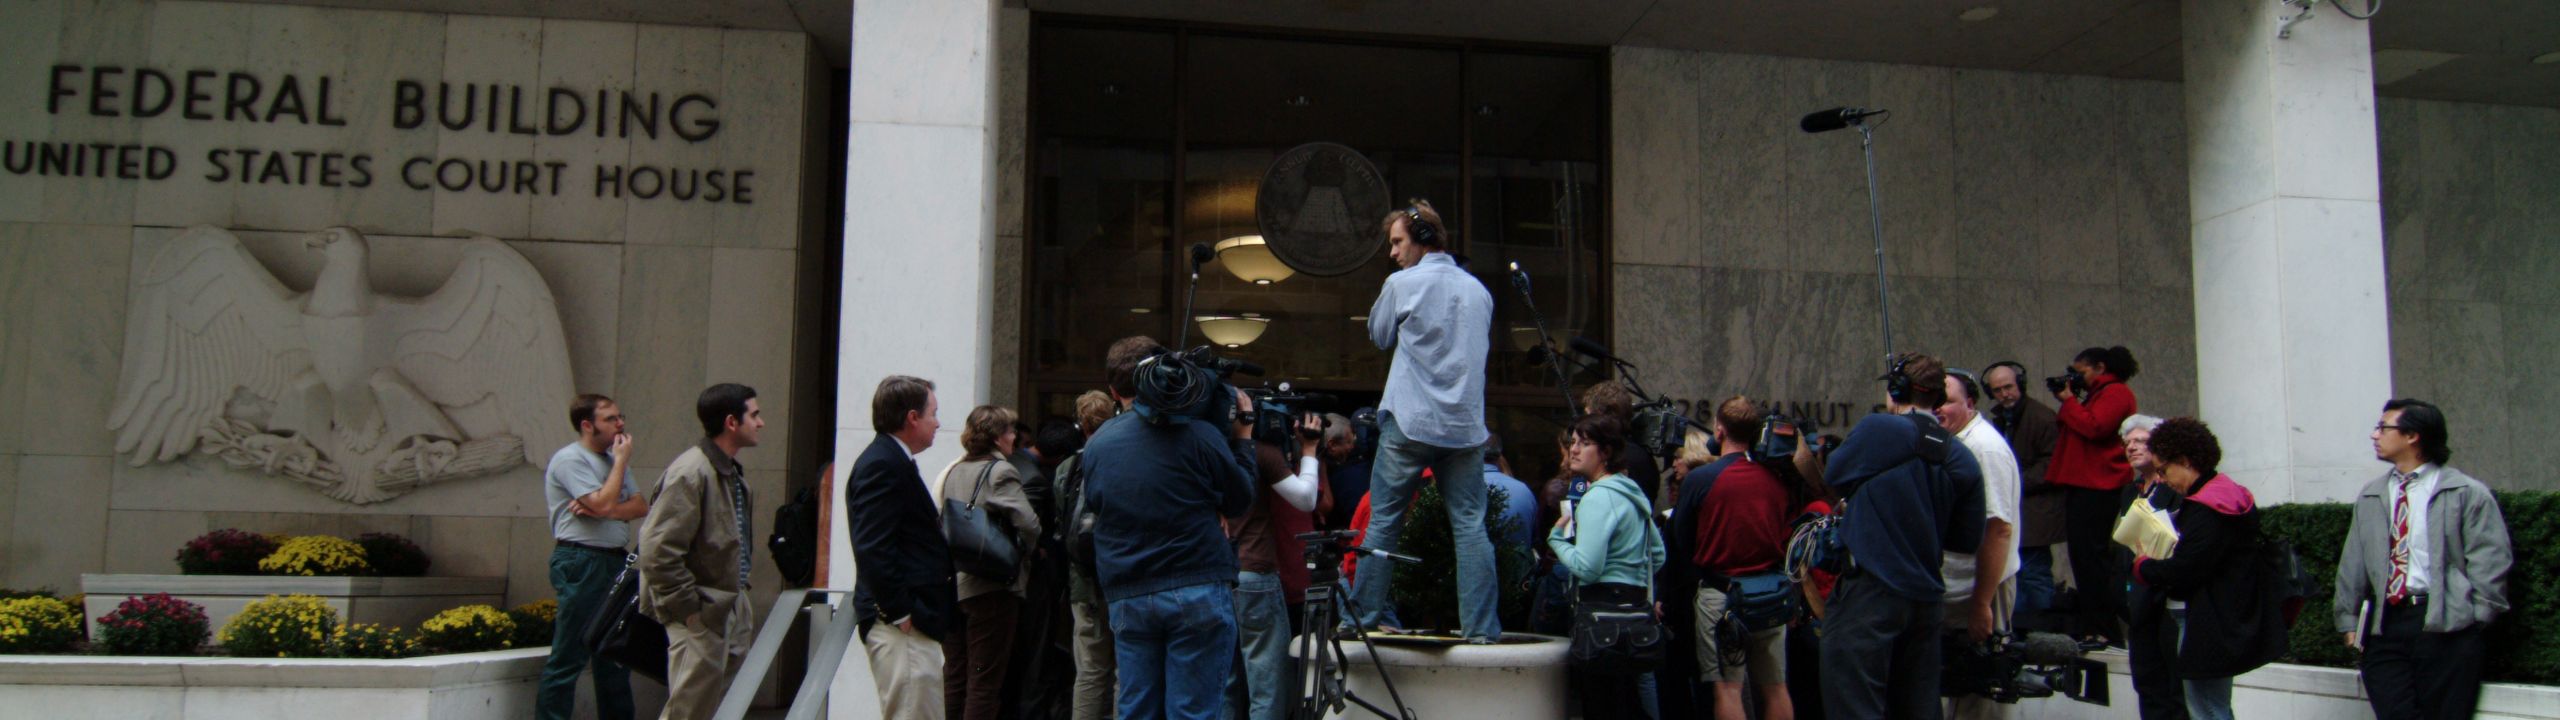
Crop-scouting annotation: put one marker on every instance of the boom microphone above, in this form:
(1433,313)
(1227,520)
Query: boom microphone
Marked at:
(1836,118)
(1593,348)
(2048,649)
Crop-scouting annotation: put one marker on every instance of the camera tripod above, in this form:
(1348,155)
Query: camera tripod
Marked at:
(1319,674)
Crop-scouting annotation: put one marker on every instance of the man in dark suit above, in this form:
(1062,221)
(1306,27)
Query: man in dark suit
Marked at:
(902,593)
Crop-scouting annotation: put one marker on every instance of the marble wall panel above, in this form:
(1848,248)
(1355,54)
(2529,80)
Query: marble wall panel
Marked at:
(191,35)
(147,541)
(2152,186)
(680,60)
(1005,325)
(661,364)
(196,483)
(308,43)
(1659,333)
(586,54)
(1013,118)
(18,278)
(9,517)
(2452,353)
(60,525)
(1915,168)
(1743,135)
(748,342)
(65,335)
(1791,335)
(387,47)
(2528,251)
(34,29)
(586,282)
(529,546)
(1654,101)
(2038,160)
(91,34)
(467,546)
(1825,177)
(2159,327)
(1947,318)
(765,85)
(480,50)
(2531,334)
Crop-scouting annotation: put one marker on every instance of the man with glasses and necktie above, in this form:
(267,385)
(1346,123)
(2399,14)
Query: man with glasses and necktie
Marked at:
(2423,571)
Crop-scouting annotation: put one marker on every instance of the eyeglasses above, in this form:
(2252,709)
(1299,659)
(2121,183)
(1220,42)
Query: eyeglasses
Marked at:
(2393,428)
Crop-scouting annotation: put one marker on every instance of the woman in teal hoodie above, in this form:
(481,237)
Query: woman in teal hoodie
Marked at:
(1610,546)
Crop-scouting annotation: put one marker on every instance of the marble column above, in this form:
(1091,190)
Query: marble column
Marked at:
(2293,346)
(919,240)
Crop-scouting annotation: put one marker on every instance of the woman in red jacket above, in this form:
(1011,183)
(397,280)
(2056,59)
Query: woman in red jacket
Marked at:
(2089,464)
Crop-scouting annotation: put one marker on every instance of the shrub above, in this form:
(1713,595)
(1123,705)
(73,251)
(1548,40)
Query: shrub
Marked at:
(317,555)
(393,555)
(1426,595)
(153,625)
(37,625)
(225,552)
(16,594)
(534,621)
(470,628)
(367,640)
(2524,644)
(288,626)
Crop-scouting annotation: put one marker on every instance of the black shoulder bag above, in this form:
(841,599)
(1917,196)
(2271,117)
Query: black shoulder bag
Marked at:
(1619,638)
(981,545)
(621,633)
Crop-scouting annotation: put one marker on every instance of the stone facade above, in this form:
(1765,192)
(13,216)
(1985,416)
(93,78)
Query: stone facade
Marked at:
(658,296)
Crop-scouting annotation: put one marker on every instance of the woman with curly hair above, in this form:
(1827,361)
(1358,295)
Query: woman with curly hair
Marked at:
(2210,585)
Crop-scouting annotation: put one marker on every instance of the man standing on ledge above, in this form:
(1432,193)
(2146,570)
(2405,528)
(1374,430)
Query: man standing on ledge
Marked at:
(1436,319)
(694,555)
(2426,561)
(589,500)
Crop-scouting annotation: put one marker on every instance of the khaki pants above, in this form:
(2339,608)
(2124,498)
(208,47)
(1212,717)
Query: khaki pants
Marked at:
(908,670)
(699,668)
(2004,600)
(1097,683)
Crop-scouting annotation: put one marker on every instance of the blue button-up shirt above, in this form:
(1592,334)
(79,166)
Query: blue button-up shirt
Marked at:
(1438,320)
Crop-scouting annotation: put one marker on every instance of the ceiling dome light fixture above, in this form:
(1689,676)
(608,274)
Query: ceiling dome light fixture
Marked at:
(1250,260)
(1979,14)
(2549,58)
(1233,332)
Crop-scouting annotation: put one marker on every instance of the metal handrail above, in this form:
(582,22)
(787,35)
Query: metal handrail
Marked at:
(831,643)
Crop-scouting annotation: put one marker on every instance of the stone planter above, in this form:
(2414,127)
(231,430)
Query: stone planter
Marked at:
(401,601)
(2290,691)
(496,684)
(1514,680)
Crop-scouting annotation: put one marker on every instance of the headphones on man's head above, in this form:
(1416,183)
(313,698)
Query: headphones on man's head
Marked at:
(1896,384)
(1422,230)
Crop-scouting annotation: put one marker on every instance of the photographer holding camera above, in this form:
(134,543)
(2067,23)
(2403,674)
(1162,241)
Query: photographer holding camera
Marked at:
(1438,321)
(2090,463)
(1157,487)
(1913,491)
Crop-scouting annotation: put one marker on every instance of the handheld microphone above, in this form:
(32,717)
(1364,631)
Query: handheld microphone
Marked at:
(1836,118)
(1593,348)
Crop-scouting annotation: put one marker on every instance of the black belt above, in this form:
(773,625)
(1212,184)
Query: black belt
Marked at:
(2413,600)
(613,551)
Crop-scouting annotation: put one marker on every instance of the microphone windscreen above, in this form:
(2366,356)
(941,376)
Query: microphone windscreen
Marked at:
(1825,120)
(2048,649)
(1201,255)
(1588,346)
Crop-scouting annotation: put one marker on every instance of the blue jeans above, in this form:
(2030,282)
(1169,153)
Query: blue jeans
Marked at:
(1397,476)
(2207,698)
(1175,648)
(2035,580)
(581,578)
(1262,635)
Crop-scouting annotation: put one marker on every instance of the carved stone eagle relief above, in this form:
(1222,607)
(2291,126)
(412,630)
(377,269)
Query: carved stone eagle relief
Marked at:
(363,397)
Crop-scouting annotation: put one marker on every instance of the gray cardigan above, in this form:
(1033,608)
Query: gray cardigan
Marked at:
(2468,585)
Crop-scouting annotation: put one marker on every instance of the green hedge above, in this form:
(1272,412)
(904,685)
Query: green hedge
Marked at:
(2524,645)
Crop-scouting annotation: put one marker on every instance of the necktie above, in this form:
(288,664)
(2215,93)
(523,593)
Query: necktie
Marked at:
(2398,589)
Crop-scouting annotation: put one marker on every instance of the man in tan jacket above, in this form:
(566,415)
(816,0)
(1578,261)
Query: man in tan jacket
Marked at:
(694,558)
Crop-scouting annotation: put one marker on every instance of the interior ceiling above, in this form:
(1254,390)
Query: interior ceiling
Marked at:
(2469,51)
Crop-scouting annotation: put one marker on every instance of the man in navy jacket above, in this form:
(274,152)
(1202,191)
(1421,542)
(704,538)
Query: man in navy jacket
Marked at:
(902,593)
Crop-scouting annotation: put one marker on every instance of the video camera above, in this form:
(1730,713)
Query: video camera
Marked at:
(2012,667)
(2069,380)
(1275,417)
(1189,384)
(1779,436)
(1661,429)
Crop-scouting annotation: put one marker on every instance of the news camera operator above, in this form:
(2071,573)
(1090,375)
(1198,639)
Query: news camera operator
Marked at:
(2092,401)
(1913,491)
(1157,486)
(1265,554)
(1437,320)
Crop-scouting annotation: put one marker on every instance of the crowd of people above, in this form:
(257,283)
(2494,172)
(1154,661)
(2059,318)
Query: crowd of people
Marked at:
(1163,566)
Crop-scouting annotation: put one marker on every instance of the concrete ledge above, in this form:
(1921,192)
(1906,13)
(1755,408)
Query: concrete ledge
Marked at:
(2281,690)
(496,684)
(1524,680)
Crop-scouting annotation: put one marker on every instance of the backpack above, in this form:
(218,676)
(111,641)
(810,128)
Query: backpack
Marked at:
(794,543)
(1076,519)
(2292,579)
